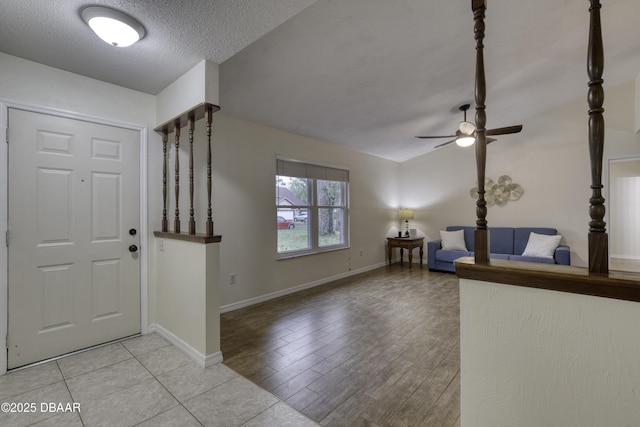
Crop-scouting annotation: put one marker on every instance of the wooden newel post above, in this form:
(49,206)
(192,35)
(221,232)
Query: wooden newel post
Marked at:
(192,219)
(165,140)
(176,221)
(208,118)
(598,239)
(481,250)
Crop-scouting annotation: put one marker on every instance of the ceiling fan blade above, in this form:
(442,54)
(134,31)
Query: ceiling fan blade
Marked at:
(505,130)
(443,136)
(444,143)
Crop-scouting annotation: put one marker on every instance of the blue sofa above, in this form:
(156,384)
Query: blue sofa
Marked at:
(504,243)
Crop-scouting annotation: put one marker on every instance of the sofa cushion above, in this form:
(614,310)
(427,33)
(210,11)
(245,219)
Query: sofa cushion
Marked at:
(531,259)
(540,245)
(468,234)
(501,240)
(563,255)
(521,237)
(450,256)
(494,256)
(453,240)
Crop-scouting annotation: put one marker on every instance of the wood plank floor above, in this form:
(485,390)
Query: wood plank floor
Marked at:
(377,349)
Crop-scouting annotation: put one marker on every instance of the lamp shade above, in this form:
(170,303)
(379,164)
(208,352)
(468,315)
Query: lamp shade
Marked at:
(113,26)
(406,214)
(465,141)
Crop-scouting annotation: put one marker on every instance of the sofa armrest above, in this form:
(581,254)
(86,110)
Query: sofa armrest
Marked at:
(562,255)
(432,247)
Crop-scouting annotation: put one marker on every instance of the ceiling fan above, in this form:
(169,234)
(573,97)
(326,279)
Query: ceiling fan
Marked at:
(466,133)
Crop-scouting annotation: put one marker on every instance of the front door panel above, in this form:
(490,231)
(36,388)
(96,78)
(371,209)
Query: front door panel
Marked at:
(73,197)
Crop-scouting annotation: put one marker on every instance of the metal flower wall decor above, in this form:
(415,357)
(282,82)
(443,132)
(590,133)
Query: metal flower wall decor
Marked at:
(501,193)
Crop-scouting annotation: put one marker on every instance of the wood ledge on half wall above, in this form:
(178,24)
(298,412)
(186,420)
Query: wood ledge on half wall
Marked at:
(198,112)
(564,278)
(195,238)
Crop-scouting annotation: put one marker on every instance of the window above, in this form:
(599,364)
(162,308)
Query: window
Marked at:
(312,212)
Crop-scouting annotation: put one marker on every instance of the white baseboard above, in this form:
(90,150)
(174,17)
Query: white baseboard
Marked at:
(201,359)
(625,257)
(252,301)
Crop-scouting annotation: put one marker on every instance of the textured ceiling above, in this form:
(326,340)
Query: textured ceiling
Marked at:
(367,74)
(180,34)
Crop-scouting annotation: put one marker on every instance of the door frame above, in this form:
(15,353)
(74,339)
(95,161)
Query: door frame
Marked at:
(607,174)
(5,104)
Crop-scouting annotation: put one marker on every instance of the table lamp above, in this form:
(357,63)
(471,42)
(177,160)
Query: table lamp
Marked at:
(406,214)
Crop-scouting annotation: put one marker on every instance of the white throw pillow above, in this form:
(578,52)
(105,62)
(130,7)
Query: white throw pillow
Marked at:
(542,245)
(453,240)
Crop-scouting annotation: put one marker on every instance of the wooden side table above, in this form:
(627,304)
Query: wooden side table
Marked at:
(405,242)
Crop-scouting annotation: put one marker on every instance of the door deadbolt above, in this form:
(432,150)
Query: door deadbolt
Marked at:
(133,232)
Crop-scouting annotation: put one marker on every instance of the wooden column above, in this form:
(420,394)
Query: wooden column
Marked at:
(192,220)
(208,119)
(176,221)
(165,140)
(481,233)
(598,239)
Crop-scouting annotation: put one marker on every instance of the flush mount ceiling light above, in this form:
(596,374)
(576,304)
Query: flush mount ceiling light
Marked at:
(112,26)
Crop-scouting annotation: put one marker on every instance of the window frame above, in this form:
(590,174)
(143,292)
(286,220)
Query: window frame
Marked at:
(313,173)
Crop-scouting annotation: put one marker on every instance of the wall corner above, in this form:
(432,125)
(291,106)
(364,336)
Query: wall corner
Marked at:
(198,85)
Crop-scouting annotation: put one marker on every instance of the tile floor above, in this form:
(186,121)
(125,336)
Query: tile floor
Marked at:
(377,349)
(143,381)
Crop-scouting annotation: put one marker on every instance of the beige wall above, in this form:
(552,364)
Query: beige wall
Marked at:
(549,159)
(187,292)
(29,82)
(534,357)
(244,209)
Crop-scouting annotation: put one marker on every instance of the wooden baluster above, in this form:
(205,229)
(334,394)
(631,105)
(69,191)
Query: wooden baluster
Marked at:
(208,117)
(176,221)
(598,239)
(192,220)
(481,233)
(165,140)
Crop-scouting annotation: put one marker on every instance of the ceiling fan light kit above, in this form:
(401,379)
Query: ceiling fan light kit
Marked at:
(465,141)
(112,26)
(467,128)
(466,134)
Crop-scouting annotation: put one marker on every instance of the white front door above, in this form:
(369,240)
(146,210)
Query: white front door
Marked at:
(74,206)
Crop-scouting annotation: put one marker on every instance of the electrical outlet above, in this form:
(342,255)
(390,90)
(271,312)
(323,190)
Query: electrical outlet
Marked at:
(232,278)
(161,245)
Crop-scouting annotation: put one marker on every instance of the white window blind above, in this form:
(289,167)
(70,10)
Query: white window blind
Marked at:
(306,170)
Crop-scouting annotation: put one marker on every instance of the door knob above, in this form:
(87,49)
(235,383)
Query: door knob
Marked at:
(133,248)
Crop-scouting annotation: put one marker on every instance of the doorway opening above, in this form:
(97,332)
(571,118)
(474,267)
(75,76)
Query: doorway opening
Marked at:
(624,205)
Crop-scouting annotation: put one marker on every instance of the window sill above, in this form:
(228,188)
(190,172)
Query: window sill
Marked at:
(289,255)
